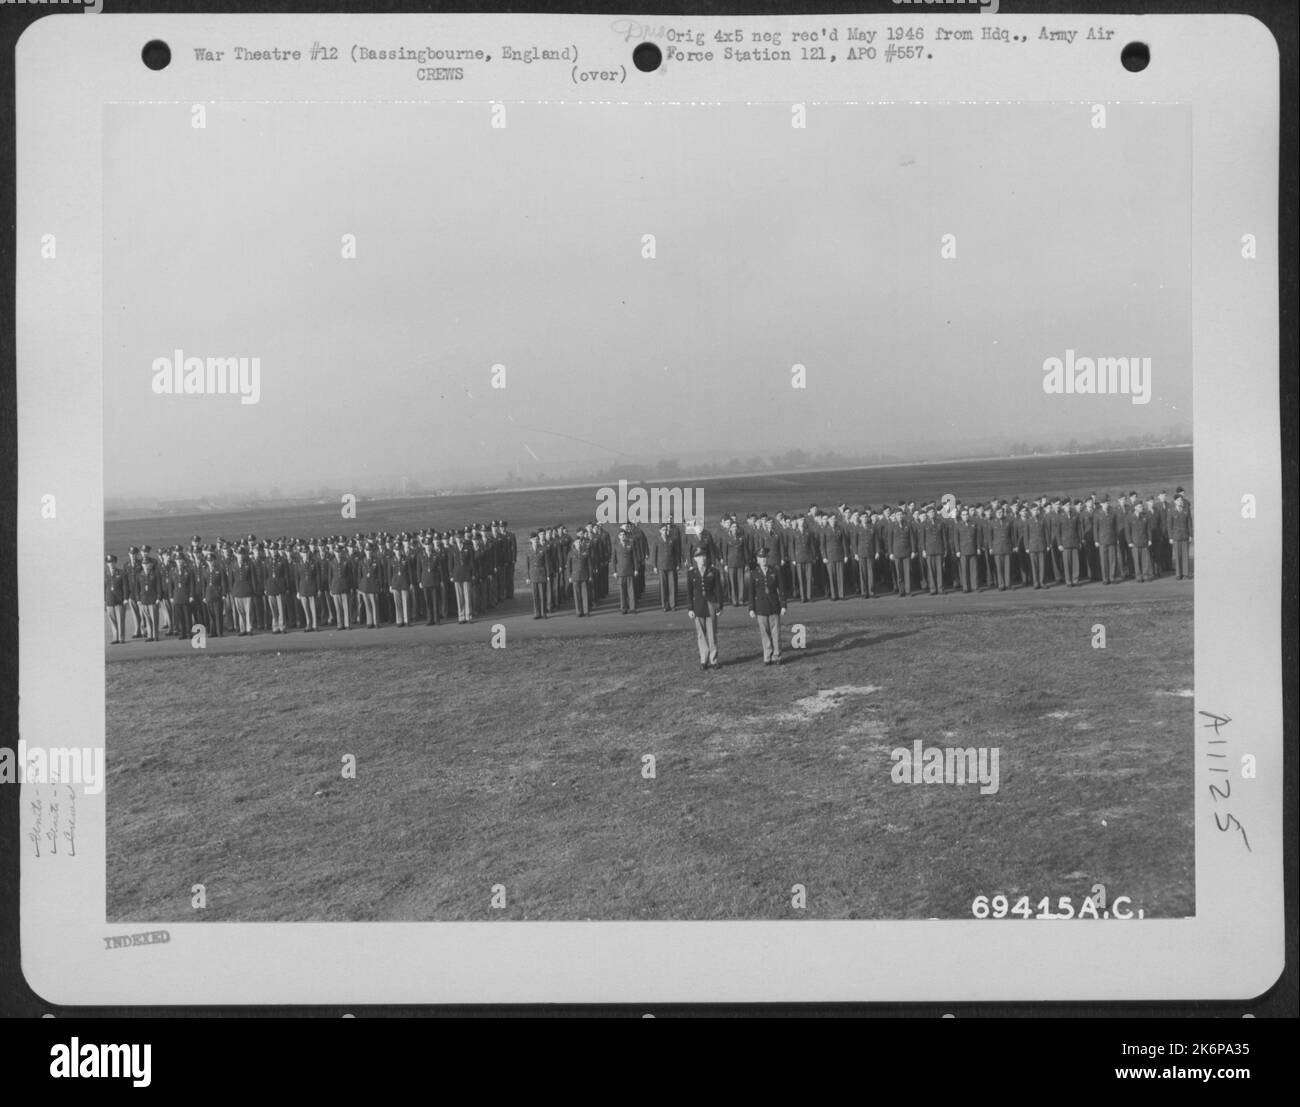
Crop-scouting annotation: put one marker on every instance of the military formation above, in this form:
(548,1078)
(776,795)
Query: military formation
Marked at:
(761,562)
(275,586)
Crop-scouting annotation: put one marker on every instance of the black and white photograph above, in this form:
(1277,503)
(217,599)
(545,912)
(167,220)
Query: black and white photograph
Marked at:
(640,510)
(672,512)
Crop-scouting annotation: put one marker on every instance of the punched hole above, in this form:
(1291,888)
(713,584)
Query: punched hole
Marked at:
(647,57)
(156,54)
(1135,57)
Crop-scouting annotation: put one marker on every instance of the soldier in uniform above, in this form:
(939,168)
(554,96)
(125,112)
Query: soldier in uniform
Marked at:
(1034,536)
(275,582)
(430,570)
(370,583)
(182,590)
(1069,537)
(667,559)
(399,583)
(1105,530)
(966,540)
(803,553)
(834,555)
(306,582)
(864,552)
(735,557)
(243,581)
(537,575)
(704,600)
(579,573)
(463,571)
(214,594)
(1140,541)
(1180,534)
(1089,563)
(623,565)
(900,551)
(338,574)
(1002,539)
(933,543)
(767,605)
(115,598)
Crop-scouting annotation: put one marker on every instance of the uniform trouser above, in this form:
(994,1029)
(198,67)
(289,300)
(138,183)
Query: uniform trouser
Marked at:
(935,562)
(181,618)
(638,579)
(903,575)
(402,605)
(307,603)
(428,594)
(1002,562)
(706,637)
(866,577)
(464,609)
(736,581)
(1070,565)
(769,633)
(540,603)
(214,616)
(1143,557)
(552,591)
(668,589)
(835,573)
(341,608)
(968,572)
(1036,558)
(1181,561)
(627,593)
(244,614)
(1109,564)
(275,605)
(582,597)
(1057,565)
(1123,559)
(803,573)
(116,613)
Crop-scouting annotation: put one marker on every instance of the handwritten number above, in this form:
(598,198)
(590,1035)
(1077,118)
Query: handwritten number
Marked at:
(1214,789)
(1232,821)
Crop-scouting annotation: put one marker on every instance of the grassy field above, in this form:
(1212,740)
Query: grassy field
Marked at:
(523,767)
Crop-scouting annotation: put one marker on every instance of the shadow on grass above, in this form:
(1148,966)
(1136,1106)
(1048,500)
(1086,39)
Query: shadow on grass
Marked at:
(847,641)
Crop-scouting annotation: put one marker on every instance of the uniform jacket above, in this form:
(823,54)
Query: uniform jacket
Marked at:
(1001,536)
(967,538)
(243,579)
(1180,525)
(703,590)
(1105,528)
(668,553)
(765,597)
(579,565)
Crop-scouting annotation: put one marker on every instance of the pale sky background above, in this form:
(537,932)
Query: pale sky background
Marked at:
(522,246)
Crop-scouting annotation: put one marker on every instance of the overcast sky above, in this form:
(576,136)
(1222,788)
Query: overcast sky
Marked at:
(523,246)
